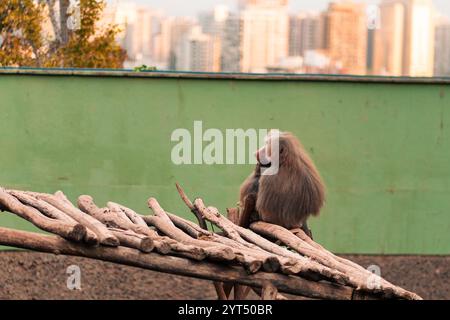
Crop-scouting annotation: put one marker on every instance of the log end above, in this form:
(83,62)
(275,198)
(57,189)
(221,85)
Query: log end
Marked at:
(197,254)
(78,233)
(91,239)
(271,264)
(162,247)
(269,292)
(110,241)
(147,245)
(291,268)
(253,267)
(152,203)
(85,203)
(228,254)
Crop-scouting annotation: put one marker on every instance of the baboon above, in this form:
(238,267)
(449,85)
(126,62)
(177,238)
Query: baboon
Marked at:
(288,197)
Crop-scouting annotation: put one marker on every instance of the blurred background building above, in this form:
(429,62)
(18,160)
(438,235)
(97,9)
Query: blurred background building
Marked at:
(407,39)
(442,48)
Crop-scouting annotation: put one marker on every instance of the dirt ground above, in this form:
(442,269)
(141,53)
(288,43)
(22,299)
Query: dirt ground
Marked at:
(29,275)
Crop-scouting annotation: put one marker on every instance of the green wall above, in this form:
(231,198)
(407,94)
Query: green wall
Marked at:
(383,149)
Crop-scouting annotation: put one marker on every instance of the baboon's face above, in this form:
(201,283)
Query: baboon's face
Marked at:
(264,154)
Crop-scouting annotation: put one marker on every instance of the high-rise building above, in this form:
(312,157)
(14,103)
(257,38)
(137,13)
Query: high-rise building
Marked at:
(419,38)
(442,49)
(389,42)
(404,44)
(231,54)
(198,51)
(346,36)
(162,43)
(263,33)
(138,25)
(166,41)
(305,33)
(213,22)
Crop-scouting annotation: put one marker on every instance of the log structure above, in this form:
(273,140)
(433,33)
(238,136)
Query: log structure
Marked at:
(246,259)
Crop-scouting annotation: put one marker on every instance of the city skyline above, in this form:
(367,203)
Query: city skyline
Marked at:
(192,8)
(402,38)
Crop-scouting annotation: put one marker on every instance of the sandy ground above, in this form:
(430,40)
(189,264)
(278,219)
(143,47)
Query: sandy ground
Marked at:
(29,275)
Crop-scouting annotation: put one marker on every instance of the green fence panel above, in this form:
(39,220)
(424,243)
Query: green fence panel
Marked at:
(382,148)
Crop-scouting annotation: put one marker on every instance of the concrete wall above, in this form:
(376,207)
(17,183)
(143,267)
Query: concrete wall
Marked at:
(382,147)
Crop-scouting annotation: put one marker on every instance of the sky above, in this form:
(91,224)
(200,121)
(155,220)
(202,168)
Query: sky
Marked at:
(192,7)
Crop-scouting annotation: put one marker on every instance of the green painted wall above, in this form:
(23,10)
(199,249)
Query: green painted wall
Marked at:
(383,149)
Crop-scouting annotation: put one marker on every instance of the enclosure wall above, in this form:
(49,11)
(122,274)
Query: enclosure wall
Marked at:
(382,148)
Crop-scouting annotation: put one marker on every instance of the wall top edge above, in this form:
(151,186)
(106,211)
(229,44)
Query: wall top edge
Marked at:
(219,76)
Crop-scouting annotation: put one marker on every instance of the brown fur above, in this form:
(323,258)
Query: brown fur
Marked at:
(289,197)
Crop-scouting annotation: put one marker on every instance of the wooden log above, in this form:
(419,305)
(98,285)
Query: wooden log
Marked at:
(269,292)
(288,238)
(220,292)
(131,214)
(175,265)
(278,296)
(72,231)
(61,196)
(291,263)
(45,208)
(213,251)
(250,263)
(236,232)
(190,205)
(113,218)
(202,223)
(269,262)
(103,234)
(52,212)
(163,245)
(254,259)
(131,233)
(119,213)
(240,292)
(130,239)
(305,266)
(303,236)
(185,250)
(303,244)
(187,226)
(163,224)
(230,232)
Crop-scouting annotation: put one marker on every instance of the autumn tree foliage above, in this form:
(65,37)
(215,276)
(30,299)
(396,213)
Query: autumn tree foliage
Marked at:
(75,40)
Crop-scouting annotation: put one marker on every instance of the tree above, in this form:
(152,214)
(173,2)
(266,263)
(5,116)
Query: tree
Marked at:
(83,45)
(20,33)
